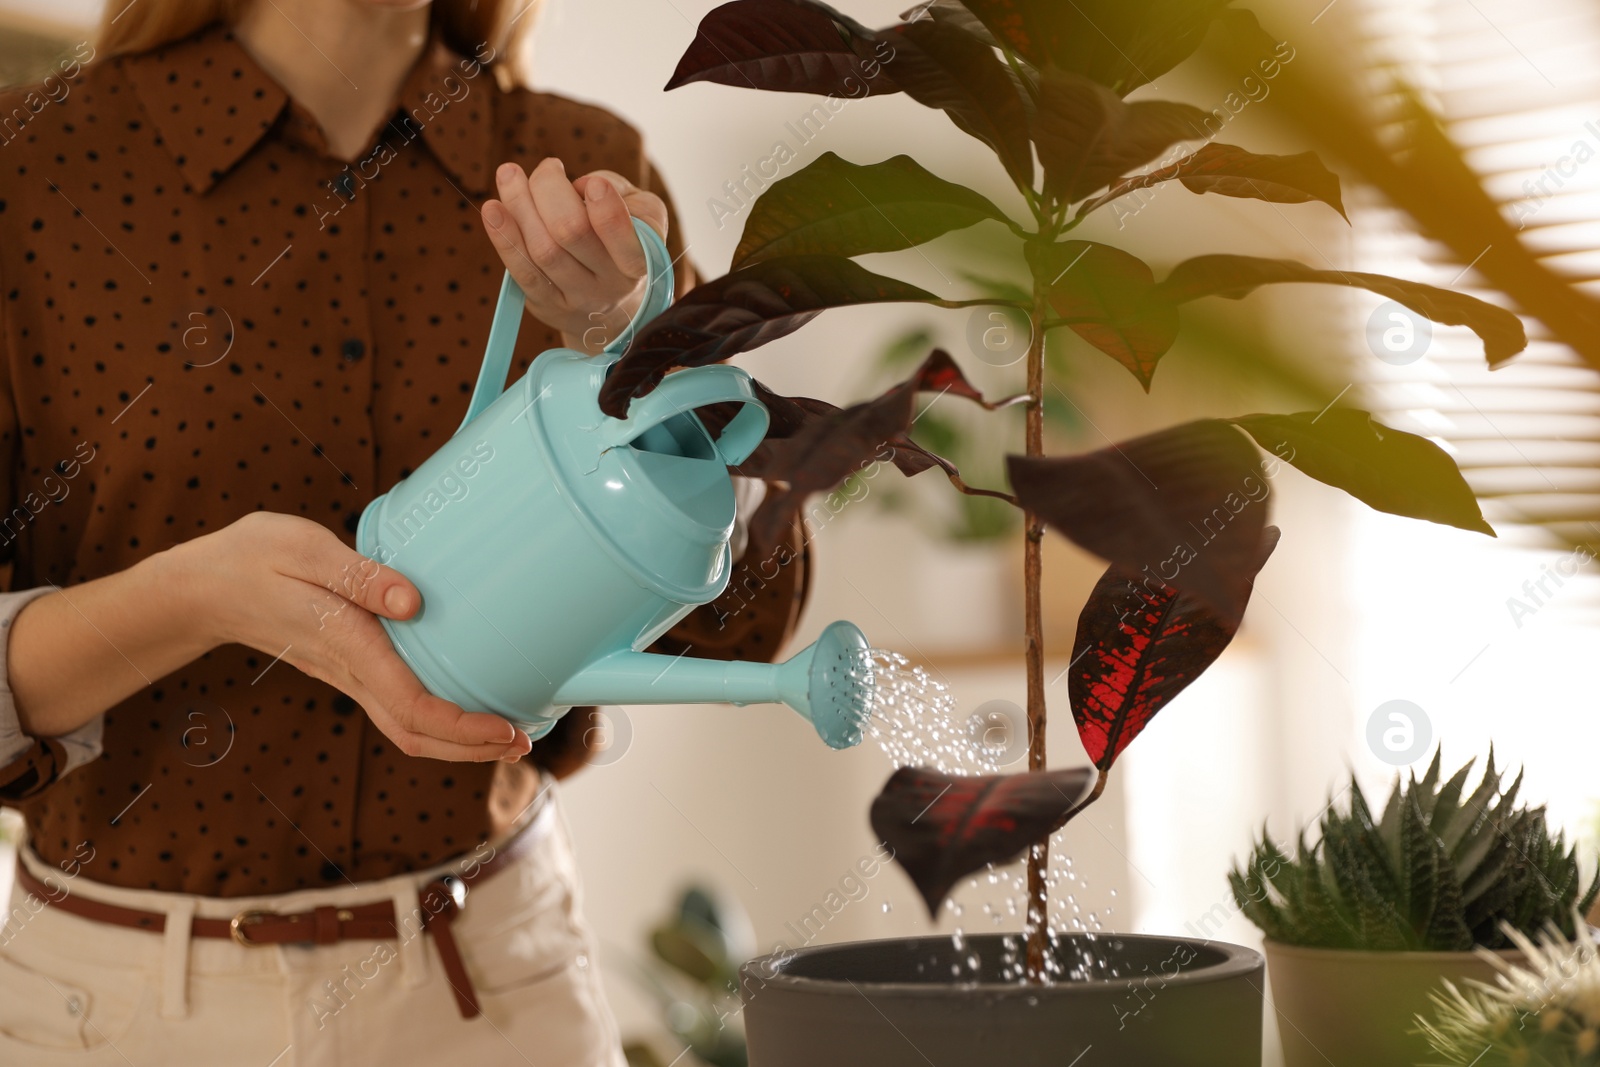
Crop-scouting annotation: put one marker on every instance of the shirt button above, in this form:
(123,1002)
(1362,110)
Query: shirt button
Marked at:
(353,349)
(345,186)
(331,872)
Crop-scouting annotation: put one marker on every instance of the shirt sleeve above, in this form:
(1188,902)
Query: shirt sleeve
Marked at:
(29,764)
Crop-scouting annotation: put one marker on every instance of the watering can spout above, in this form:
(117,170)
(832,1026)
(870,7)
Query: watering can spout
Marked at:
(829,683)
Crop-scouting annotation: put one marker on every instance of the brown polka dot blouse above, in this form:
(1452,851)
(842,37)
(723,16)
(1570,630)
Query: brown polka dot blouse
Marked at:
(202,314)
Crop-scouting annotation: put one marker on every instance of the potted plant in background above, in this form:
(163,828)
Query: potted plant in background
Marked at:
(1180,515)
(692,974)
(1362,924)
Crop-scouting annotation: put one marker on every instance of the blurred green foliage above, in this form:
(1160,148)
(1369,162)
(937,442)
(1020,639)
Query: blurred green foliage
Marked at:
(692,972)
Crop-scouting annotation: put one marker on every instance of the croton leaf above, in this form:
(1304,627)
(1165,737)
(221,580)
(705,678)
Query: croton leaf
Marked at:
(743,310)
(1122,44)
(1238,276)
(1184,506)
(944,827)
(1227,170)
(834,207)
(793,46)
(954,13)
(1108,298)
(1382,467)
(830,446)
(940,66)
(1140,643)
(790,414)
(1088,137)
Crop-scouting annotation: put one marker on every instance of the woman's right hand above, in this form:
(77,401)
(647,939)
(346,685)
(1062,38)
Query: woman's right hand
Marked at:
(288,587)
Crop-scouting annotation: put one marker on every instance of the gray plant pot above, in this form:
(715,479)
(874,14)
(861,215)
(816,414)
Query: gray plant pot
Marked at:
(1175,1003)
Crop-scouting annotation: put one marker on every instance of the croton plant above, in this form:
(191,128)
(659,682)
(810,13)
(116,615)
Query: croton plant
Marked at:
(1180,515)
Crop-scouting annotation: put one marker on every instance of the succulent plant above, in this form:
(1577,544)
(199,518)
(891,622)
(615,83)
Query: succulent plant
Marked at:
(1442,870)
(1543,1014)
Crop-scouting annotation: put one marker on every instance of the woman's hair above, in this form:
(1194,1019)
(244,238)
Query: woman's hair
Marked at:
(465,25)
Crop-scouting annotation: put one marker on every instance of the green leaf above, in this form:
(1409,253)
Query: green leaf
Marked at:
(1384,468)
(1088,137)
(1108,297)
(1446,804)
(691,948)
(1230,171)
(1430,780)
(1238,276)
(837,208)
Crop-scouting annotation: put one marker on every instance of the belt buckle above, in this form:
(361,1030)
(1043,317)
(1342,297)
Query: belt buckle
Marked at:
(237,924)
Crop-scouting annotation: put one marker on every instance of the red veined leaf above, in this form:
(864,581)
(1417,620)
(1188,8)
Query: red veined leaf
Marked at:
(743,310)
(944,827)
(1382,467)
(1140,643)
(1238,276)
(1108,298)
(940,374)
(792,46)
(940,66)
(1231,171)
(1088,137)
(1186,504)
(829,446)
(837,208)
(1122,44)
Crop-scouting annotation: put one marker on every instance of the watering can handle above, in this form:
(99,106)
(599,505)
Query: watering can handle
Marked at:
(508,318)
(699,387)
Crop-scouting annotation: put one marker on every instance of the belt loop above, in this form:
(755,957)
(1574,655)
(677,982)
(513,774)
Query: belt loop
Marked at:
(175,959)
(408,923)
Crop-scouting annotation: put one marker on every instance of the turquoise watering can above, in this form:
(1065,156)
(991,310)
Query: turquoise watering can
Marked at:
(551,542)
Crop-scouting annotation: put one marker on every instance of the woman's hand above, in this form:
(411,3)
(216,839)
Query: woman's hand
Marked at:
(572,248)
(289,587)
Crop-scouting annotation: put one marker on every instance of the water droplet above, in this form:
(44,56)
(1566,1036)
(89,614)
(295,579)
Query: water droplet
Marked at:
(913,717)
(886,908)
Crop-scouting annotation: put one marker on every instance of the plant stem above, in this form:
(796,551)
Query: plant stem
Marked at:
(1037,925)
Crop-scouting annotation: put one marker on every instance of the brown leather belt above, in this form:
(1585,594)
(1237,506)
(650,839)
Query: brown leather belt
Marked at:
(440,901)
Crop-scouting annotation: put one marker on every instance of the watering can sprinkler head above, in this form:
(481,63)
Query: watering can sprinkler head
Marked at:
(838,684)
(830,683)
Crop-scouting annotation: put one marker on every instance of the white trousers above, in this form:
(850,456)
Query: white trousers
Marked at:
(78,992)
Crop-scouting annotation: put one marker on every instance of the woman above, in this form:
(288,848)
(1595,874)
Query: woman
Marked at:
(247,261)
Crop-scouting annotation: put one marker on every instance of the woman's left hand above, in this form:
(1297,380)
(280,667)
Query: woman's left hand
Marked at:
(571,246)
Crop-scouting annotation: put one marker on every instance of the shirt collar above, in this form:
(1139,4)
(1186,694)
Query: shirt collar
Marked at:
(211,103)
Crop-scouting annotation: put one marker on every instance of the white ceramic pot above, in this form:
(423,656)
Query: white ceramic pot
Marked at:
(1341,1008)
